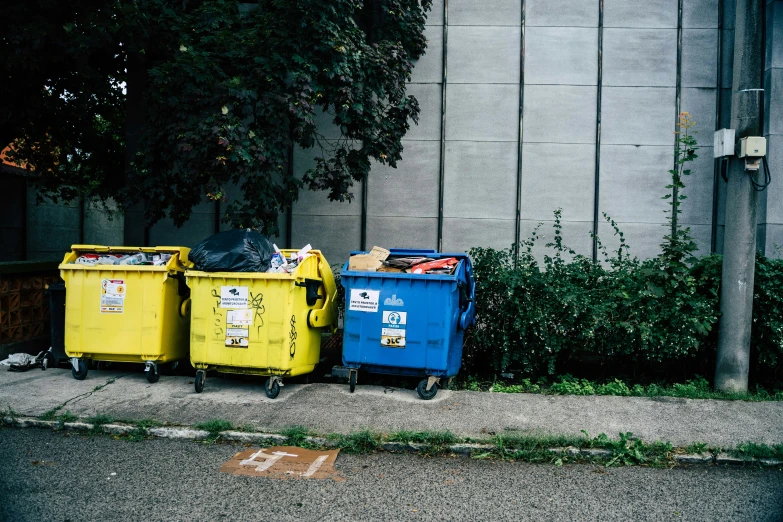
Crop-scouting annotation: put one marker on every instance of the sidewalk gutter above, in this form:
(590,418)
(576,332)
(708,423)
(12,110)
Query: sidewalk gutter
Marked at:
(330,408)
(188,433)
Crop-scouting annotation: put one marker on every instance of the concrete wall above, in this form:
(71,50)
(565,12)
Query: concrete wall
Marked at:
(593,136)
(402,203)
(488,159)
(559,120)
(51,228)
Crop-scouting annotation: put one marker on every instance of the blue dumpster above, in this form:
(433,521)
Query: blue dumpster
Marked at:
(408,324)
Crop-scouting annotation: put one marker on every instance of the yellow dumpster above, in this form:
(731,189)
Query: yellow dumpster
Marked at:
(126,312)
(261,323)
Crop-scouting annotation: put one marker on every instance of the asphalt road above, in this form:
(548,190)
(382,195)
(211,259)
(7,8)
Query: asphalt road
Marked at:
(59,477)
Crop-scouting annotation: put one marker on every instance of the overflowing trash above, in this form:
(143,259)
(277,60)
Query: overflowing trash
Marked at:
(280,264)
(233,251)
(139,258)
(380,260)
(119,310)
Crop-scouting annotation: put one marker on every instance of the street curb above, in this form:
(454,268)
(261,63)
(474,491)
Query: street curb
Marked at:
(187,433)
(695,458)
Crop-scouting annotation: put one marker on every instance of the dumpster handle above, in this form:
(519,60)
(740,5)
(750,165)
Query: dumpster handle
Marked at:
(182,285)
(312,286)
(324,317)
(468,317)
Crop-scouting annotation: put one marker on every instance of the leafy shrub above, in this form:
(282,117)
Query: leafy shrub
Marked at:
(533,320)
(533,317)
(767,330)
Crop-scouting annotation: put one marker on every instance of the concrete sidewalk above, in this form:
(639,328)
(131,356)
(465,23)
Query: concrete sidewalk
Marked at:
(330,408)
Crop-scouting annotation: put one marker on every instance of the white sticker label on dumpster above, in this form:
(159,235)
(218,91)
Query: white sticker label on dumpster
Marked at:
(237,337)
(364,300)
(113,293)
(237,328)
(233,297)
(393,329)
(240,317)
(237,342)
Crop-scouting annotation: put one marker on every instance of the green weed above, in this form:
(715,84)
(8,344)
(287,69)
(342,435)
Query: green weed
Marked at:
(436,441)
(97,423)
(9,412)
(214,426)
(67,417)
(697,388)
(696,447)
(296,435)
(99,420)
(50,414)
(134,435)
(750,450)
(355,443)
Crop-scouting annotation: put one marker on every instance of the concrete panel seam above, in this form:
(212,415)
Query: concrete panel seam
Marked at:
(717,163)
(597,171)
(442,176)
(677,105)
(520,136)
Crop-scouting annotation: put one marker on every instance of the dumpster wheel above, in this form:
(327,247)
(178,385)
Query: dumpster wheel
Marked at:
(201,377)
(153,372)
(272,388)
(81,373)
(352,380)
(423,392)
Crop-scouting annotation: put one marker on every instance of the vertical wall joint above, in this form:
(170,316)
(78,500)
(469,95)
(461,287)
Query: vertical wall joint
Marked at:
(597,177)
(442,174)
(717,163)
(518,217)
(678,109)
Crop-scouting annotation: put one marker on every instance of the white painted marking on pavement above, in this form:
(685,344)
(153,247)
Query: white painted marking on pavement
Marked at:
(315,465)
(268,462)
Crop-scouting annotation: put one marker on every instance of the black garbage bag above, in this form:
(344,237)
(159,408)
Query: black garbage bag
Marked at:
(233,251)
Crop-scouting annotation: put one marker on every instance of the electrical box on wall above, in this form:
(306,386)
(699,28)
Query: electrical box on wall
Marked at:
(724,143)
(753,146)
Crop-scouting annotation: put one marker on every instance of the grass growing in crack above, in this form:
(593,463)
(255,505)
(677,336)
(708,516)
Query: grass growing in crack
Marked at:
(138,433)
(50,414)
(355,443)
(751,450)
(214,426)
(629,451)
(9,412)
(67,417)
(102,386)
(696,447)
(531,448)
(625,451)
(435,438)
(97,422)
(296,436)
(134,435)
(100,419)
(436,442)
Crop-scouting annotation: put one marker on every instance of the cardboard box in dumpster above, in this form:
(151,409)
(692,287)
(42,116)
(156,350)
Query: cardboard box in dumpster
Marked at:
(368,262)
